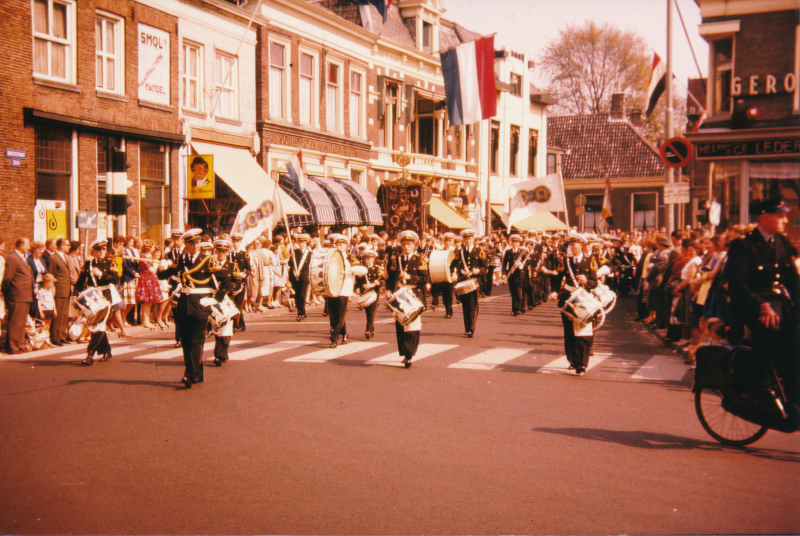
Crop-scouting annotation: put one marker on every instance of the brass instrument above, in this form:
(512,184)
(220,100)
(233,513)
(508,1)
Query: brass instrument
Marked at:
(141,260)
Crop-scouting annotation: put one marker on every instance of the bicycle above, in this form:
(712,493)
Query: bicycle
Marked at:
(738,399)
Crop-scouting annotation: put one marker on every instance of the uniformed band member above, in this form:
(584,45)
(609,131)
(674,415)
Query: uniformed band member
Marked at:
(577,272)
(372,282)
(299,273)
(514,261)
(191,317)
(407,269)
(764,289)
(470,262)
(445,288)
(226,281)
(238,256)
(337,307)
(98,272)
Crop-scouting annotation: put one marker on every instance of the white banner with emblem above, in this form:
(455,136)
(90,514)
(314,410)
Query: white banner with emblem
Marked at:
(542,194)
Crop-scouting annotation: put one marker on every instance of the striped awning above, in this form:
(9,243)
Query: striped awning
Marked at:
(368,206)
(347,212)
(314,199)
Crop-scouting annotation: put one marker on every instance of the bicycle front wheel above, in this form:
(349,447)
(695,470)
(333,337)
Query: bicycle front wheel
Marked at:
(722,425)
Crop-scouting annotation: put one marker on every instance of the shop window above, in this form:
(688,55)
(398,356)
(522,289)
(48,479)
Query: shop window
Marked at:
(54,38)
(494,148)
(53,163)
(726,189)
(155,204)
(192,77)
(277,81)
(772,179)
(644,211)
(333,98)
(513,150)
(533,150)
(307,90)
(226,79)
(723,71)
(356,104)
(109,53)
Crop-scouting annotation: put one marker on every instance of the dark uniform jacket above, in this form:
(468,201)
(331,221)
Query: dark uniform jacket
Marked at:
(222,276)
(510,258)
(193,274)
(375,274)
(242,268)
(756,272)
(88,279)
(469,260)
(301,264)
(584,267)
(416,266)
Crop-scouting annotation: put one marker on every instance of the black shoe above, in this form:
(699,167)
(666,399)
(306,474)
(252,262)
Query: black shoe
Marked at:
(57,343)
(367,335)
(299,318)
(580,371)
(448,316)
(334,344)
(88,361)
(515,313)
(177,345)
(105,357)
(67,341)
(344,339)
(186,382)
(197,380)
(407,362)
(218,362)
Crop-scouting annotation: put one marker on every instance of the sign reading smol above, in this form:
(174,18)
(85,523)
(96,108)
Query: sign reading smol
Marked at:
(153,64)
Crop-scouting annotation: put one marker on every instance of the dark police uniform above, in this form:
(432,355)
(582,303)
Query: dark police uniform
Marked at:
(577,349)
(469,260)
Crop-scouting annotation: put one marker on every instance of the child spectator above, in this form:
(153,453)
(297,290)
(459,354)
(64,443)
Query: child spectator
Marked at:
(287,297)
(47,302)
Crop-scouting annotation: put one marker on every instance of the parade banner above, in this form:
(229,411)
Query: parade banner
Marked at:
(258,216)
(542,194)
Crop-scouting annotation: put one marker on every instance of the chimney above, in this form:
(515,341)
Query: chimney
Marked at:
(636,117)
(618,106)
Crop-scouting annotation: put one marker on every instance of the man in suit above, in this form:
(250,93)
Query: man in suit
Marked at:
(764,289)
(59,269)
(577,272)
(513,260)
(471,263)
(18,293)
(299,273)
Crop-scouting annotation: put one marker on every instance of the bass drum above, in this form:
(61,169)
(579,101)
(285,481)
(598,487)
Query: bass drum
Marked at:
(439,266)
(326,272)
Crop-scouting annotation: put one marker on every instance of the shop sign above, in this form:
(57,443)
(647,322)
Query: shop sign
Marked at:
(201,177)
(153,64)
(741,149)
(49,220)
(677,193)
(763,85)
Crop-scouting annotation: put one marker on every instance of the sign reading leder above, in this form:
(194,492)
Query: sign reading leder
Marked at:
(741,149)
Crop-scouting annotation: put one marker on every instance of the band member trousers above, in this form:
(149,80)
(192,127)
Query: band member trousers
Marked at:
(221,348)
(238,320)
(407,341)
(515,288)
(337,311)
(300,291)
(193,336)
(98,344)
(487,280)
(469,306)
(371,311)
(576,348)
(444,289)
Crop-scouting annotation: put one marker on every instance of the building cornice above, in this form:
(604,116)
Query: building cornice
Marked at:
(627,182)
(727,8)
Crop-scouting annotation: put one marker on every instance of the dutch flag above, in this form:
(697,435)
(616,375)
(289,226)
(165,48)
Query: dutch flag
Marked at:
(658,82)
(469,87)
(294,166)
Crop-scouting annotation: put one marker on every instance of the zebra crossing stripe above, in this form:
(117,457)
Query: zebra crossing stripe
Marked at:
(340,351)
(489,359)
(561,365)
(178,352)
(424,350)
(118,351)
(661,367)
(261,351)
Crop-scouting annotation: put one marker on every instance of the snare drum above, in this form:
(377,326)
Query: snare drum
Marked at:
(111,294)
(582,306)
(222,312)
(605,296)
(367,299)
(439,266)
(93,305)
(404,306)
(326,272)
(465,287)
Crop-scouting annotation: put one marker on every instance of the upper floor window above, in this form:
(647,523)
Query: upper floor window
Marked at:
(516,84)
(533,151)
(333,98)
(551,163)
(225,77)
(192,77)
(513,147)
(151,162)
(356,104)
(388,115)
(54,39)
(426,127)
(494,148)
(277,81)
(427,37)
(723,73)
(109,41)
(307,90)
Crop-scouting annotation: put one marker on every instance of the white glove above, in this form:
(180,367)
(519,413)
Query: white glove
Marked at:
(207,302)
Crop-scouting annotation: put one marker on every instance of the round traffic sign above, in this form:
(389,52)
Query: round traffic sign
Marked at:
(676,152)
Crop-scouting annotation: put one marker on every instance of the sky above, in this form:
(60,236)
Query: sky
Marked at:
(528,25)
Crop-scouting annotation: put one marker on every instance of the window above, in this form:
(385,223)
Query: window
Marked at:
(592,218)
(151,162)
(461,142)
(533,150)
(307,90)
(109,48)
(723,71)
(332,99)
(192,77)
(388,117)
(427,37)
(516,83)
(357,175)
(226,81)
(155,200)
(513,153)
(426,131)
(644,211)
(104,144)
(551,163)
(277,81)
(54,39)
(53,163)
(494,148)
(355,104)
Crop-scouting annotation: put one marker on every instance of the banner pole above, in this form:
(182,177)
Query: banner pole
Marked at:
(286,223)
(564,197)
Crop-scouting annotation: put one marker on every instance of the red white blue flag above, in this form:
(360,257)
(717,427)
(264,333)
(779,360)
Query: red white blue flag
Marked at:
(658,82)
(381,5)
(469,87)
(294,167)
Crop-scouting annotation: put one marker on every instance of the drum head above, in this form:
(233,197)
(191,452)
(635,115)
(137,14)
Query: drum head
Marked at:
(334,271)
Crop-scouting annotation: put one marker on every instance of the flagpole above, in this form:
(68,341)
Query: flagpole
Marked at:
(564,197)
(668,114)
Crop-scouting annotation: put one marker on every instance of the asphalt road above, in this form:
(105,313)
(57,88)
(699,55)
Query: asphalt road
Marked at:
(488,435)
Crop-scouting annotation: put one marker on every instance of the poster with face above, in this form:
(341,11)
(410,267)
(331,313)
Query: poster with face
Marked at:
(201,177)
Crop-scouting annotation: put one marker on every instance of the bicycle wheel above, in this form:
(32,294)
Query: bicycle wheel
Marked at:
(722,425)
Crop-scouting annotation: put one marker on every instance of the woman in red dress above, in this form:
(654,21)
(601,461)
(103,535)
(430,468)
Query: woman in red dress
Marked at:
(148,290)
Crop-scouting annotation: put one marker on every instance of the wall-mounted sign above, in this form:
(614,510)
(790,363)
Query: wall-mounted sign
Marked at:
(153,64)
(677,193)
(16,156)
(743,149)
(201,176)
(763,84)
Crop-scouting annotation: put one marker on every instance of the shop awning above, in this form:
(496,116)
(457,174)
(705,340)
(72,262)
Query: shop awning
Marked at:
(369,208)
(446,215)
(345,206)
(498,210)
(314,199)
(242,173)
(542,220)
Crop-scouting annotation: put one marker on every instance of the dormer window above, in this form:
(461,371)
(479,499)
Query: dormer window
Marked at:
(427,37)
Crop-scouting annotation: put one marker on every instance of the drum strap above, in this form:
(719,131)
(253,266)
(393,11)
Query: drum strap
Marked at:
(299,267)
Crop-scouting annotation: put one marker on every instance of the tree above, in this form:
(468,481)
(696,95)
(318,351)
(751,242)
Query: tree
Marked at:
(586,64)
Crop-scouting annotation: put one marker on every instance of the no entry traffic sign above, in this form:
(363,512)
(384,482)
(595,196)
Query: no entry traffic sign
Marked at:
(676,152)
